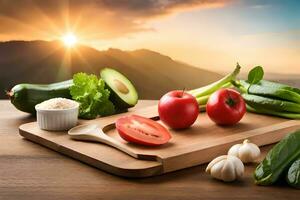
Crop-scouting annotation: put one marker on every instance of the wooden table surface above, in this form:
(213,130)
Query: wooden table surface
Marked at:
(30,171)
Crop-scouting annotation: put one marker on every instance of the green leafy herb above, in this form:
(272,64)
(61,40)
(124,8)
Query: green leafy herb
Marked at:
(278,159)
(255,75)
(90,92)
(293,175)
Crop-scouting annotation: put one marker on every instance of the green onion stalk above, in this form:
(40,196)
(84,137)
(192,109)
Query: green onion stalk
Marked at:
(202,94)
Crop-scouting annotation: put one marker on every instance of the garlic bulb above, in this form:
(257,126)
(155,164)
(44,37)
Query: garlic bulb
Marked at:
(226,168)
(247,152)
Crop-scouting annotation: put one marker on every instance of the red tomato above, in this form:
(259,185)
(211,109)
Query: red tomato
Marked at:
(178,109)
(141,130)
(226,107)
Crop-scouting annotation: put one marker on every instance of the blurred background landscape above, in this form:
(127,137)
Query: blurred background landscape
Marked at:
(160,45)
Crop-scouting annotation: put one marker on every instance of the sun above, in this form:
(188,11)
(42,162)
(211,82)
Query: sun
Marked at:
(69,39)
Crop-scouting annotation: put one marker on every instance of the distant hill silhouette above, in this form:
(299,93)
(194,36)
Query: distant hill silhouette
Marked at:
(152,73)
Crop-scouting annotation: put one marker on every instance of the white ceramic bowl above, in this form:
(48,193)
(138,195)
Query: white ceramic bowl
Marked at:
(57,119)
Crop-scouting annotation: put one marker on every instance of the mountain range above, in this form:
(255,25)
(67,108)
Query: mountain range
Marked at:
(44,62)
(152,73)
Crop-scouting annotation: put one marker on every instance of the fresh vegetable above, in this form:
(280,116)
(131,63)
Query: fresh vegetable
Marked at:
(122,92)
(255,75)
(278,159)
(141,130)
(274,113)
(90,92)
(270,89)
(247,151)
(256,101)
(266,97)
(226,168)
(25,96)
(202,94)
(279,86)
(178,109)
(226,107)
(293,175)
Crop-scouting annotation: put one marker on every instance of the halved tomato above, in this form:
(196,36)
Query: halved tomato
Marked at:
(141,130)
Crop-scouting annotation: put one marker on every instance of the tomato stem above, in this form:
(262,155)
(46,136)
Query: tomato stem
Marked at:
(230,102)
(183,92)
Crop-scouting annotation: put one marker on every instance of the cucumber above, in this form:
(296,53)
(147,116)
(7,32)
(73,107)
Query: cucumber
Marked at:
(25,96)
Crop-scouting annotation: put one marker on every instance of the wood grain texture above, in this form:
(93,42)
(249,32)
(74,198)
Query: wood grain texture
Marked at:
(28,171)
(189,147)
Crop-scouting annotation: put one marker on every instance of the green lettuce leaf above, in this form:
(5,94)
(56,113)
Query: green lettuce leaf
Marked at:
(90,92)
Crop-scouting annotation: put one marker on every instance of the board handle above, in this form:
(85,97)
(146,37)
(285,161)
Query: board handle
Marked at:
(92,132)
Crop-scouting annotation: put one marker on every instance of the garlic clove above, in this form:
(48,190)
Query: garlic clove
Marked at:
(234,150)
(226,168)
(239,168)
(216,170)
(255,151)
(247,152)
(228,171)
(214,161)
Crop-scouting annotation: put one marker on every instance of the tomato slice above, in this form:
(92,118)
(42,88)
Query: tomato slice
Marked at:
(141,130)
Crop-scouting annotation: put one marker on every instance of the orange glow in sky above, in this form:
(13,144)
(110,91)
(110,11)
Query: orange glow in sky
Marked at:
(207,34)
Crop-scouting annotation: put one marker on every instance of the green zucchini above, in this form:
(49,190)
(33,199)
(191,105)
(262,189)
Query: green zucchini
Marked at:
(271,104)
(293,175)
(25,96)
(278,159)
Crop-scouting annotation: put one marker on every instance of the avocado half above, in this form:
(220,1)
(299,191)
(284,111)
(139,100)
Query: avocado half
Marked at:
(122,92)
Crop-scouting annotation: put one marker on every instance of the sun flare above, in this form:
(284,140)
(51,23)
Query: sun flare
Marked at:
(69,40)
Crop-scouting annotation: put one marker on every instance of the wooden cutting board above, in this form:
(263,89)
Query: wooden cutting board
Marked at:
(196,145)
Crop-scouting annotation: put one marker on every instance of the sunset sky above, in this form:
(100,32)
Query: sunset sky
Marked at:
(211,34)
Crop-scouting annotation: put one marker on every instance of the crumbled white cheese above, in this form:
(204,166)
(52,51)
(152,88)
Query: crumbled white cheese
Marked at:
(57,103)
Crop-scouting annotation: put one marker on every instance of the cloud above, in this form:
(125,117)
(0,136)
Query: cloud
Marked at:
(38,19)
